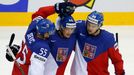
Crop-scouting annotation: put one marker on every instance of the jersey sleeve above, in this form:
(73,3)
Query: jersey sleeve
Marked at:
(116,58)
(31,27)
(44,12)
(23,56)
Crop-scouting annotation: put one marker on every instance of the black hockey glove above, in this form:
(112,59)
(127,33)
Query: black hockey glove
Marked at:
(15,49)
(65,8)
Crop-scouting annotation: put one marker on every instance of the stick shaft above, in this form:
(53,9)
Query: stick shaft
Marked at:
(117,40)
(11,39)
(13,56)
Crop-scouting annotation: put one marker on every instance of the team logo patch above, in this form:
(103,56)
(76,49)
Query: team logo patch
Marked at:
(62,54)
(89,51)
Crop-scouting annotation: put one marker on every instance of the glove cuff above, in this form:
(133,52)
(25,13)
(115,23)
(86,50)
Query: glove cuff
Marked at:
(57,9)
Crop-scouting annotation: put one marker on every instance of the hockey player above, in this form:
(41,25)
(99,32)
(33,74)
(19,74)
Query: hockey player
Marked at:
(34,49)
(64,35)
(63,41)
(94,47)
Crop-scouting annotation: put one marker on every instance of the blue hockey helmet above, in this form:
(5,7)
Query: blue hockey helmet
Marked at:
(44,26)
(67,22)
(96,18)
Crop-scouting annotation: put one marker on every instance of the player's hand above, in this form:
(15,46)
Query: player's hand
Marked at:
(65,8)
(15,49)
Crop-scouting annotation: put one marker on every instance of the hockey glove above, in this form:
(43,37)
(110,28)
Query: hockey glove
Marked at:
(65,8)
(15,49)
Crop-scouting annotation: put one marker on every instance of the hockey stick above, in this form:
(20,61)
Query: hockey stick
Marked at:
(117,40)
(116,34)
(11,53)
(11,39)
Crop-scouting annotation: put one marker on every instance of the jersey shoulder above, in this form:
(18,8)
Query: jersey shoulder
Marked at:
(35,44)
(54,35)
(108,34)
(80,26)
(41,44)
(80,23)
(32,27)
(109,38)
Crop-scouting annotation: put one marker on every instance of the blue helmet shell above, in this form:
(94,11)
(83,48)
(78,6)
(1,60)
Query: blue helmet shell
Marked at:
(96,18)
(44,25)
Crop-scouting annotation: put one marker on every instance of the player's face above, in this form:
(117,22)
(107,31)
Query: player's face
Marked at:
(67,32)
(92,28)
(46,35)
